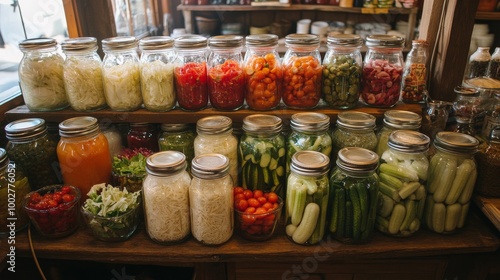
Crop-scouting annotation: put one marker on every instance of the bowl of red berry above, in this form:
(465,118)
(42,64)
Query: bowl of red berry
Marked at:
(53,210)
(256,213)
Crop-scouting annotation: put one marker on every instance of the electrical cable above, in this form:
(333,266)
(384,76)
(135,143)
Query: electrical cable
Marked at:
(32,249)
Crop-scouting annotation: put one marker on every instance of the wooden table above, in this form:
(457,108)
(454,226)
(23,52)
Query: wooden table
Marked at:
(490,206)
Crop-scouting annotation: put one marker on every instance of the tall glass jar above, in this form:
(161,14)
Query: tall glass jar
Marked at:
(467,107)
(226,78)
(121,73)
(83,74)
(83,154)
(396,120)
(354,129)
(211,199)
(157,73)
(451,180)
(262,154)
(33,150)
(114,138)
(263,72)
(488,165)
(178,137)
(307,197)
(165,197)
(492,117)
(354,187)
(190,72)
(215,135)
(414,86)
(403,174)
(14,186)
(302,71)
(382,70)
(143,135)
(41,75)
(494,66)
(478,63)
(342,67)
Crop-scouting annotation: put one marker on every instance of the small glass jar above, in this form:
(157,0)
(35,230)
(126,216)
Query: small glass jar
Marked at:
(157,73)
(307,197)
(14,186)
(211,199)
(492,117)
(178,137)
(342,67)
(226,78)
(382,70)
(478,63)
(354,129)
(121,73)
(494,66)
(41,75)
(414,83)
(450,183)
(263,72)
(467,107)
(403,174)
(190,72)
(434,117)
(33,150)
(354,187)
(395,120)
(488,165)
(262,154)
(143,135)
(83,74)
(165,197)
(302,71)
(83,154)
(215,135)
(114,138)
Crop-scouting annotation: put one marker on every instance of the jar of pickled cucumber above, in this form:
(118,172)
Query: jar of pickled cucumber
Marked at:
(395,120)
(178,137)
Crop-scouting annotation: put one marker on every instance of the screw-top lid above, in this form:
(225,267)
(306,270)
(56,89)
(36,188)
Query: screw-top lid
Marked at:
(37,43)
(210,166)
(456,142)
(174,127)
(156,43)
(344,40)
(3,157)
(214,125)
(225,41)
(356,120)
(385,41)
(310,163)
(78,126)
(262,124)
(466,91)
(408,141)
(166,163)
(25,129)
(261,40)
(79,44)
(399,119)
(302,39)
(190,42)
(310,122)
(356,159)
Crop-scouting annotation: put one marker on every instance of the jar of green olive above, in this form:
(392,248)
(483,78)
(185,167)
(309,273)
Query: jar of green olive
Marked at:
(354,129)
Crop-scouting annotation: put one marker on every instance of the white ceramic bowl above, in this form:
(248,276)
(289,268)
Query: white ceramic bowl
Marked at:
(319,28)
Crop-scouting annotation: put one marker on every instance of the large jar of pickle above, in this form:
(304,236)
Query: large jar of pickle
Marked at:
(178,137)
(354,129)
(396,120)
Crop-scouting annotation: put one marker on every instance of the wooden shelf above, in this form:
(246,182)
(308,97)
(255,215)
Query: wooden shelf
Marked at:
(490,206)
(488,15)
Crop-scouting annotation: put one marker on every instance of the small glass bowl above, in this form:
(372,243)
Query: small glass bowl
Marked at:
(258,227)
(131,182)
(58,221)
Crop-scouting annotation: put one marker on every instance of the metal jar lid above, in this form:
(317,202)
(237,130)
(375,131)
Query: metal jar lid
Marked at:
(302,40)
(25,129)
(456,142)
(310,163)
(310,122)
(37,43)
(190,42)
(399,119)
(3,157)
(119,43)
(156,43)
(356,159)
(356,120)
(261,40)
(344,40)
(78,126)
(174,127)
(166,163)
(210,166)
(385,41)
(408,141)
(262,124)
(225,41)
(214,125)
(79,44)
(466,91)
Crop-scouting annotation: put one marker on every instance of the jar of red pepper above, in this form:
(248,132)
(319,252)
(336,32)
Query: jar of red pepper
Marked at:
(190,72)
(143,135)
(382,70)
(226,78)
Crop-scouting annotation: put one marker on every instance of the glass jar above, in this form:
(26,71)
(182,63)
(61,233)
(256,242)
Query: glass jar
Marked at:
(382,70)
(302,71)
(121,73)
(414,82)
(395,120)
(143,135)
(403,174)
(342,67)
(14,186)
(211,199)
(310,132)
(83,154)
(165,197)
(263,72)
(226,78)
(178,137)
(494,66)
(450,183)
(83,74)
(488,165)
(434,117)
(33,150)
(354,129)
(492,117)
(41,75)
(354,187)
(262,154)
(478,63)
(190,72)
(114,138)
(215,135)
(157,73)
(307,197)
(466,107)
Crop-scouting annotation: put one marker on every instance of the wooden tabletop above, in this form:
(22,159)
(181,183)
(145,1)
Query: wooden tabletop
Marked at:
(490,206)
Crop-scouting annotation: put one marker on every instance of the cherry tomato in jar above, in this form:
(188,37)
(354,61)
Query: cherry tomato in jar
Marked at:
(226,86)
(191,86)
(263,78)
(302,82)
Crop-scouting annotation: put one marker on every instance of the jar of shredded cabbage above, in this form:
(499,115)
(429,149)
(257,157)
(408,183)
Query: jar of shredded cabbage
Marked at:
(41,75)
(83,74)
(121,73)
(166,197)
(157,73)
